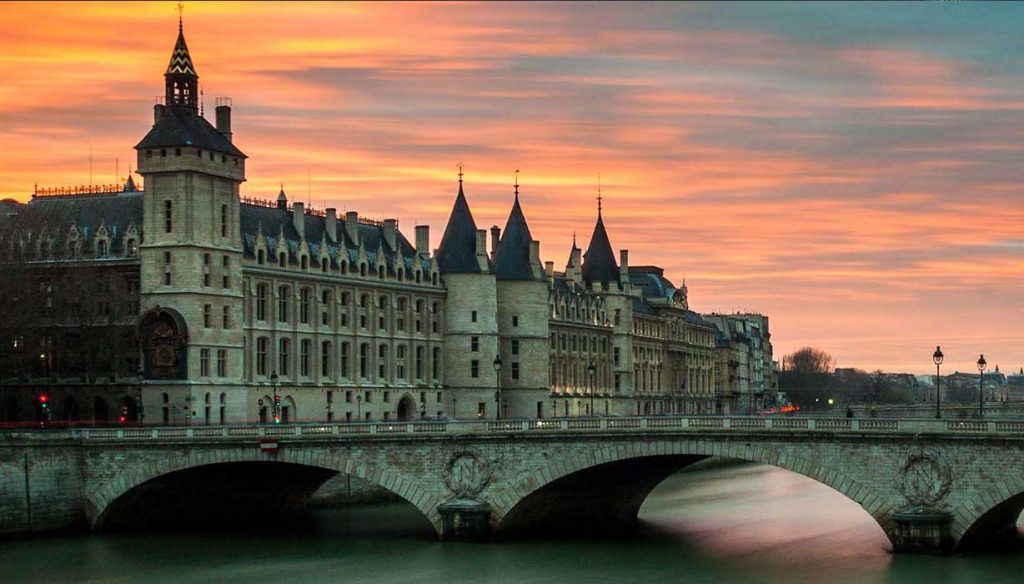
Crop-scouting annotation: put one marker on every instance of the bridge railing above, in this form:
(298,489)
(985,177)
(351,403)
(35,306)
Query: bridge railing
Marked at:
(653,424)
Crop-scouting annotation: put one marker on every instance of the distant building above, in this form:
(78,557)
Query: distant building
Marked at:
(746,372)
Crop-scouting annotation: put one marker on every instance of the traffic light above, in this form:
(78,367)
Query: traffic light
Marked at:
(44,401)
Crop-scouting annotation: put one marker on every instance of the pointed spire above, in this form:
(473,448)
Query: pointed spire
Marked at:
(512,258)
(599,194)
(599,263)
(457,251)
(181,82)
(282,199)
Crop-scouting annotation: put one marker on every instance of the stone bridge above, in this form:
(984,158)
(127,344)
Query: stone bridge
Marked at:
(931,485)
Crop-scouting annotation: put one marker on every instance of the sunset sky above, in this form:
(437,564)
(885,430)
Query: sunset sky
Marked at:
(855,171)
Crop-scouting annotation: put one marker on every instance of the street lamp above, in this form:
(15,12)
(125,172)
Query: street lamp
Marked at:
(981,386)
(937,357)
(590,370)
(141,411)
(497,385)
(273,382)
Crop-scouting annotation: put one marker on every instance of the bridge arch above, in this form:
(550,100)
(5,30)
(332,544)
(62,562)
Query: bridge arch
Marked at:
(990,515)
(101,502)
(657,460)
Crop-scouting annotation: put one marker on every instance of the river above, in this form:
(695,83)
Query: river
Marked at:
(744,524)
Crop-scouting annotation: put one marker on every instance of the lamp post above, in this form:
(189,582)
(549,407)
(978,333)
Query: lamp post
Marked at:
(937,358)
(981,386)
(140,409)
(590,370)
(273,382)
(497,386)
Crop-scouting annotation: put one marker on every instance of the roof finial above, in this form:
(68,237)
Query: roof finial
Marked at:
(599,194)
(181,8)
(516,184)
(460,172)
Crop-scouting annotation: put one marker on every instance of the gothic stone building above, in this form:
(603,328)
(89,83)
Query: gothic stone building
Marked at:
(184,302)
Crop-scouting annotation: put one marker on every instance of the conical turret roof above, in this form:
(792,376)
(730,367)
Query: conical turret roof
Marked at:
(181,61)
(512,259)
(599,262)
(457,252)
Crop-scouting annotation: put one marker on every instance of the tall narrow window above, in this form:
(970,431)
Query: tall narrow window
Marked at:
(325,358)
(364,360)
(207,312)
(261,302)
(261,355)
(282,304)
(204,362)
(223,220)
(222,363)
(282,356)
(344,359)
(304,300)
(168,219)
(474,368)
(435,364)
(226,317)
(304,348)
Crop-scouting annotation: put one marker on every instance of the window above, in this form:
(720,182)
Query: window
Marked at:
(472,316)
(225,279)
(206,277)
(168,219)
(325,314)
(515,370)
(226,317)
(282,303)
(304,348)
(304,298)
(204,362)
(474,368)
(282,259)
(435,364)
(261,302)
(515,346)
(419,362)
(515,321)
(382,365)
(261,355)
(364,360)
(282,353)
(617,352)
(387,397)
(223,220)
(481,409)
(325,358)
(348,397)
(344,359)
(400,362)
(101,248)
(222,363)
(207,310)
(474,344)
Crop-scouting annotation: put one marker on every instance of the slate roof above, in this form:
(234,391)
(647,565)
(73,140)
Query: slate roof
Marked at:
(180,126)
(651,281)
(88,212)
(274,222)
(457,252)
(512,259)
(599,261)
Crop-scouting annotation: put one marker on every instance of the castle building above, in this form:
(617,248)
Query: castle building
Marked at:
(181,301)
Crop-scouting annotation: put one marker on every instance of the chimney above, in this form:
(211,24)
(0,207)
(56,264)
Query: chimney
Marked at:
(481,249)
(158,112)
(390,228)
(535,267)
(299,218)
(423,240)
(549,270)
(331,225)
(495,239)
(352,226)
(624,266)
(224,119)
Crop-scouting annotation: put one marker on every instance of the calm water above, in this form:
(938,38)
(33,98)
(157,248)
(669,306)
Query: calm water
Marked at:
(744,524)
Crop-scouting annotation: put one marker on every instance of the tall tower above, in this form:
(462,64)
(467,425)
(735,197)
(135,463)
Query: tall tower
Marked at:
(470,317)
(603,276)
(191,304)
(523,315)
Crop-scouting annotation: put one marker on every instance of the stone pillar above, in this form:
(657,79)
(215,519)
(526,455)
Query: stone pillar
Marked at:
(465,520)
(923,530)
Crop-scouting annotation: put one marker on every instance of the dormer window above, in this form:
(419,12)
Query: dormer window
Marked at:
(101,249)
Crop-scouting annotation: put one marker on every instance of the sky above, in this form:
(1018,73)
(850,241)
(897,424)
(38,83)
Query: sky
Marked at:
(852,170)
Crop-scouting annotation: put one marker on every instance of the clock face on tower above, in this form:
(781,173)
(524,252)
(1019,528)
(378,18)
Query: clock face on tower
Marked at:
(165,344)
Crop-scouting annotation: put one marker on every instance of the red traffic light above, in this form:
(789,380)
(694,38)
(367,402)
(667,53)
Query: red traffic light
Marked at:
(43,398)
(123,419)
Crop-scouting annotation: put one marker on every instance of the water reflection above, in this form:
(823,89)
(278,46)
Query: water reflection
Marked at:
(744,524)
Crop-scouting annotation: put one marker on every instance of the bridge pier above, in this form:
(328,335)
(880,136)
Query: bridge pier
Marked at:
(921,530)
(465,520)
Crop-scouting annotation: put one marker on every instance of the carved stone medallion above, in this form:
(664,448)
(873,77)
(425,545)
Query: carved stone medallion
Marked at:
(924,479)
(466,473)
